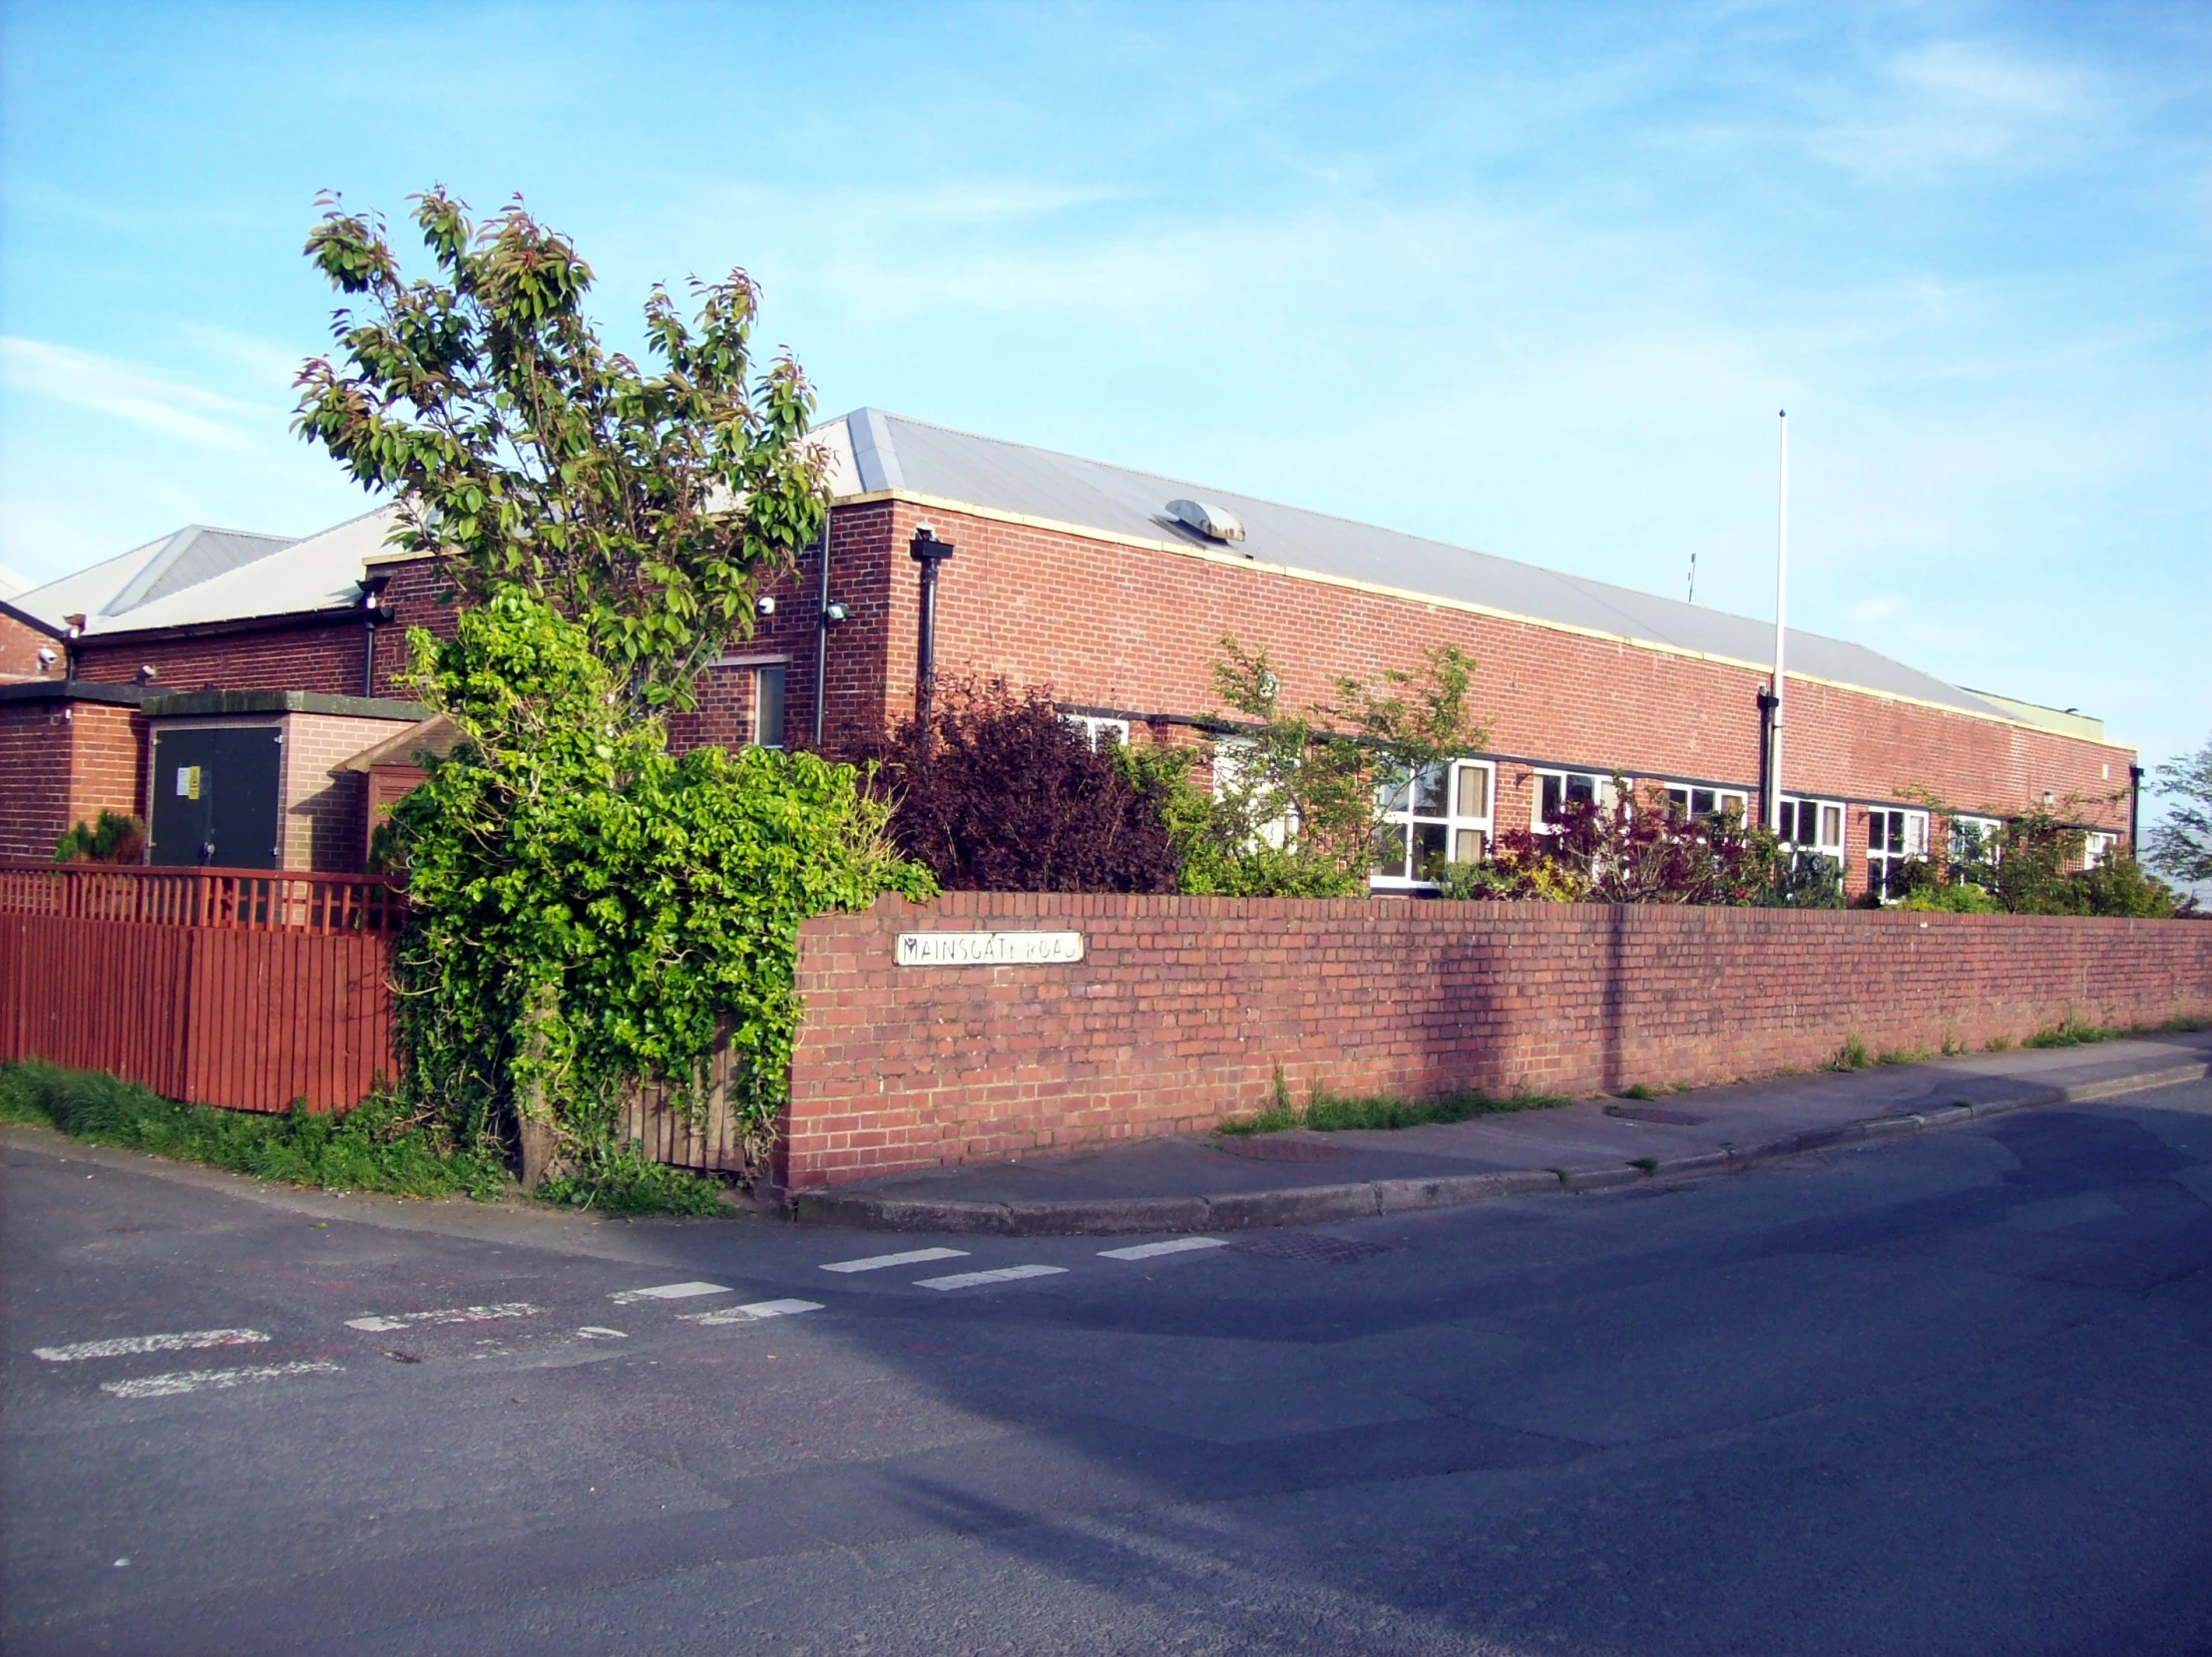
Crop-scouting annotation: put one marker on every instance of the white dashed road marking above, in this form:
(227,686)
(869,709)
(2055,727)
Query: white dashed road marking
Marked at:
(600,1331)
(200,1381)
(450,1314)
(1151,1251)
(1005,1274)
(749,1314)
(911,1257)
(192,1340)
(669,1291)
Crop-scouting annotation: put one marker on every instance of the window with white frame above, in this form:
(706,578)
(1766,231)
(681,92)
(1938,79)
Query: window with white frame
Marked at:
(1895,839)
(1971,845)
(1700,805)
(1098,728)
(767,707)
(2097,848)
(1556,790)
(1444,814)
(1813,826)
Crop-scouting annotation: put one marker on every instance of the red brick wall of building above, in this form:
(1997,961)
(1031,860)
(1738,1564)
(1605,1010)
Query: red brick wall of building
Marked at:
(324,659)
(63,763)
(20,643)
(1128,628)
(1183,1007)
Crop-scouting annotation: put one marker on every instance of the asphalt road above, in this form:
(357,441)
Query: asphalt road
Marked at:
(1948,1394)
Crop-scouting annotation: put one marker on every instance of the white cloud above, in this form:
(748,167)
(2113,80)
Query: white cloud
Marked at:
(104,385)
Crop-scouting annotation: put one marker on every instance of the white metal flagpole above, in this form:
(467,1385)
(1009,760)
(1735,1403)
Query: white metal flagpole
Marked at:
(1781,631)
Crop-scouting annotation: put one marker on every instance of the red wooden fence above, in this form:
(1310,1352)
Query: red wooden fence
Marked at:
(227,987)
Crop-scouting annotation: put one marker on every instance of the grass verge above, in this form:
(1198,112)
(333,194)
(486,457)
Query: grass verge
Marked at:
(377,1146)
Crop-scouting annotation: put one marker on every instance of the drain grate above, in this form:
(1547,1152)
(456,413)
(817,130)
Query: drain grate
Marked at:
(1270,1148)
(1307,1246)
(1655,1114)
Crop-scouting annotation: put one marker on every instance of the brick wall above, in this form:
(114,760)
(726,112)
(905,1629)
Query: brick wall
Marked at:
(325,827)
(1137,629)
(20,643)
(1183,1007)
(63,762)
(325,659)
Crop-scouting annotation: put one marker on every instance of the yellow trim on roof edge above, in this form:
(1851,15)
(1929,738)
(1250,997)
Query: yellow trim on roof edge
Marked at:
(1237,561)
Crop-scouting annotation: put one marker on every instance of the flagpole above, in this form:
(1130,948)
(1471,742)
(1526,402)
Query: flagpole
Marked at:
(1781,631)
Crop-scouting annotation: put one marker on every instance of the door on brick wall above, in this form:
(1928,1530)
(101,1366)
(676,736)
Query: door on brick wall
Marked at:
(215,797)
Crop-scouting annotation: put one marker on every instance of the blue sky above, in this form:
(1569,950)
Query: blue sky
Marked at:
(1531,279)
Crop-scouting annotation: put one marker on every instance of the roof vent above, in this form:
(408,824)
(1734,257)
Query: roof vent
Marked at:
(1214,523)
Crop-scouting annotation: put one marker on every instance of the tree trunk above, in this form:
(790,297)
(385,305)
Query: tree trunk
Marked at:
(535,1133)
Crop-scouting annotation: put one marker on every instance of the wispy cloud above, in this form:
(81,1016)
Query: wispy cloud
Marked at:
(135,395)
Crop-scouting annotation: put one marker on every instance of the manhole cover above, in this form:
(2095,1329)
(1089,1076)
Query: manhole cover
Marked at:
(1655,1114)
(1273,1147)
(1305,1245)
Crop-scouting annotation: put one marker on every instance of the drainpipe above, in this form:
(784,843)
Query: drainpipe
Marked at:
(826,613)
(2134,811)
(371,591)
(929,552)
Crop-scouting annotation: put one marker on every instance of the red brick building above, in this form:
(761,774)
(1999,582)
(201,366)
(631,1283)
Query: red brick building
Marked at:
(1113,587)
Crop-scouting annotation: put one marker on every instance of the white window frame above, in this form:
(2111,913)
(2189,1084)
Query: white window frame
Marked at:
(1466,823)
(1829,820)
(1985,829)
(1095,725)
(2096,847)
(1602,791)
(1913,837)
(1682,799)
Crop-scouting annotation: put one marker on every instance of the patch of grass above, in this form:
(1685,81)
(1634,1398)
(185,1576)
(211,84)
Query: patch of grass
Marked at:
(1852,1056)
(1327,1112)
(627,1182)
(2071,1032)
(2000,1044)
(377,1146)
(1903,1055)
(1637,1091)
(1953,1046)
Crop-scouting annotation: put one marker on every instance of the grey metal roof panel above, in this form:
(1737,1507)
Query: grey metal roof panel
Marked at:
(1039,483)
(193,556)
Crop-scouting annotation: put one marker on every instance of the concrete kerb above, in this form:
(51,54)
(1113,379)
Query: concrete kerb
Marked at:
(1319,1204)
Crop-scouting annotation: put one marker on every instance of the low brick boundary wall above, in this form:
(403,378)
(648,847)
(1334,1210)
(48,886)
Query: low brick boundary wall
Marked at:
(1181,1007)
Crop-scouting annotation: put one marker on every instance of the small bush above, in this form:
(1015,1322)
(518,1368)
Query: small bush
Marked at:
(377,1146)
(2071,1032)
(117,837)
(1000,793)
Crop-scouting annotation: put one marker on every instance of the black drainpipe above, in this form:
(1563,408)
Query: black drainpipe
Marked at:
(371,591)
(929,552)
(2134,811)
(1768,701)
(822,619)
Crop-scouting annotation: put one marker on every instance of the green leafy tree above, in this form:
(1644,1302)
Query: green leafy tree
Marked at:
(645,507)
(589,909)
(1299,793)
(2181,846)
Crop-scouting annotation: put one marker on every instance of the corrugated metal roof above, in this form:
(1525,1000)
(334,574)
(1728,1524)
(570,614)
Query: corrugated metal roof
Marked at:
(322,571)
(869,448)
(114,588)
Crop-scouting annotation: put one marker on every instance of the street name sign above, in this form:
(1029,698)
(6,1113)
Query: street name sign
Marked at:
(989,949)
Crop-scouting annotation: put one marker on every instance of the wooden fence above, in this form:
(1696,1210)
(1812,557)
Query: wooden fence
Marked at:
(227,987)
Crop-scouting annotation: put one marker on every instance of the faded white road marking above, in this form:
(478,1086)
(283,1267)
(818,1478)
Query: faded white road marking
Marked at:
(749,1314)
(600,1331)
(911,1257)
(200,1381)
(1005,1274)
(669,1291)
(192,1340)
(1150,1251)
(449,1314)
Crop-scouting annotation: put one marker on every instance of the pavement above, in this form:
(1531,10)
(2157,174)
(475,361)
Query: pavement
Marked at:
(1931,1393)
(1213,1182)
